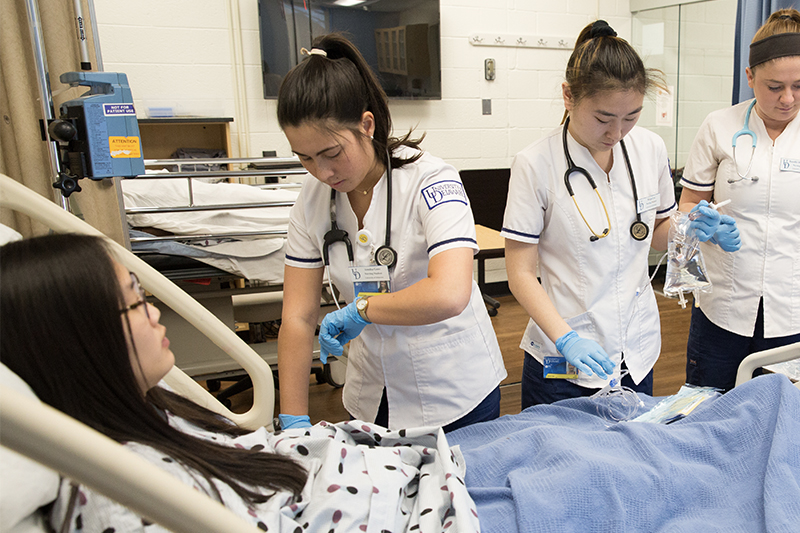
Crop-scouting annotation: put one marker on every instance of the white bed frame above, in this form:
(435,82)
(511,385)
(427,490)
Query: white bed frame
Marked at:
(68,446)
(758,360)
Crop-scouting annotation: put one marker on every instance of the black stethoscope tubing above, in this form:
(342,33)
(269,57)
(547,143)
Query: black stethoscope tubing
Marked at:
(384,255)
(639,229)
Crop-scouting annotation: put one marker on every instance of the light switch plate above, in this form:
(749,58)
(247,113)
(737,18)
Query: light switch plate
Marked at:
(489,69)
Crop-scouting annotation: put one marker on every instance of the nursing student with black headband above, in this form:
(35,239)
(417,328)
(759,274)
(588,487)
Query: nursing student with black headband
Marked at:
(585,204)
(393,228)
(749,154)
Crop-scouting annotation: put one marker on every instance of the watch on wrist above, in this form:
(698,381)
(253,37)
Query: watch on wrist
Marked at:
(361,306)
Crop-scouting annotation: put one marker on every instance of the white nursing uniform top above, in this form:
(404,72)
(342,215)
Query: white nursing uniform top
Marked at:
(433,374)
(601,288)
(767,213)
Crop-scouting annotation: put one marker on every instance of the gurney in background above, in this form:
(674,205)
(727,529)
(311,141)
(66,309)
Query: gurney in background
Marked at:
(223,243)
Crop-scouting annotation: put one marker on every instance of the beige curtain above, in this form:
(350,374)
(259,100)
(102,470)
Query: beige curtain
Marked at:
(23,154)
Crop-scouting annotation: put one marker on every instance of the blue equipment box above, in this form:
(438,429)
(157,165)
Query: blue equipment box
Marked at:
(107,143)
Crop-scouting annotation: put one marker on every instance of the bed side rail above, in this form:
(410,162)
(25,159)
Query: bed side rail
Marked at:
(60,442)
(14,195)
(766,357)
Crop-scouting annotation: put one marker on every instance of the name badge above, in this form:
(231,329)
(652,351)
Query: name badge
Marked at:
(372,279)
(790,165)
(648,203)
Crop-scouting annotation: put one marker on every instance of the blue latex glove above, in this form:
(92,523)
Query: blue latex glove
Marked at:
(585,355)
(727,235)
(294,421)
(337,329)
(705,220)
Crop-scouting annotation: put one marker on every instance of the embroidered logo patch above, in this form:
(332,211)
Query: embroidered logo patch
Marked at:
(443,192)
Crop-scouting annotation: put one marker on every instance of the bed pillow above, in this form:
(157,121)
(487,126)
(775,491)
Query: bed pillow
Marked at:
(25,485)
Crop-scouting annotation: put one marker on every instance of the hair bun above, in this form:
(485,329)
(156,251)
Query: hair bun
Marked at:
(601,29)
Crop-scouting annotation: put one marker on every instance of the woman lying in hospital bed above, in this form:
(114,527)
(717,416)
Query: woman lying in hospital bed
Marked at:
(100,358)
(76,328)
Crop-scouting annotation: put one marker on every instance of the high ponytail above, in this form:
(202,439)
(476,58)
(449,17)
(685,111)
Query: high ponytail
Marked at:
(334,90)
(601,61)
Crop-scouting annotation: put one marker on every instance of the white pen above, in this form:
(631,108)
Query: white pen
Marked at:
(723,203)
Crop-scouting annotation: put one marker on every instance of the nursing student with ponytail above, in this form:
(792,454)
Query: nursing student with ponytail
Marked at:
(585,204)
(749,154)
(392,227)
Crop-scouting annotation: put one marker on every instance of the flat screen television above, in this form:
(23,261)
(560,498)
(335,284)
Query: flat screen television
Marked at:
(399,39)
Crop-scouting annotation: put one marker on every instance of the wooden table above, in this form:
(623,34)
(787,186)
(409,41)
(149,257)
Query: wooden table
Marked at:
(491,245)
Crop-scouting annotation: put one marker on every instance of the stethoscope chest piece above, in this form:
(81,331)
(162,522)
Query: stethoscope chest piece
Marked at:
(386,256)
(639,230)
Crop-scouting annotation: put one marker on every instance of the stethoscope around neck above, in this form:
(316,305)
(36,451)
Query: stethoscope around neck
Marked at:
(744,131)
(639,229)
(384,255)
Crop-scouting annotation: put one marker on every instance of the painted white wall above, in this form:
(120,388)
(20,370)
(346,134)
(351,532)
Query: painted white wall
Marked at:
(202,57)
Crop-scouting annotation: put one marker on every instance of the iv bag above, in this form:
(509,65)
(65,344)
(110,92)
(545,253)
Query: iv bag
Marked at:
(686,270)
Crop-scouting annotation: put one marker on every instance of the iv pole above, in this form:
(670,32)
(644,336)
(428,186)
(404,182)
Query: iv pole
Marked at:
(45,96)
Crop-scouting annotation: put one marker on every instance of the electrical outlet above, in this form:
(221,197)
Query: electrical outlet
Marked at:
(487,106)
(489,69)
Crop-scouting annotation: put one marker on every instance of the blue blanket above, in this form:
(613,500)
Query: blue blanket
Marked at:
(732,465)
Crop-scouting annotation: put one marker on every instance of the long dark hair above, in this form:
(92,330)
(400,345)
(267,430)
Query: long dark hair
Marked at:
(61,332)
(601,61)
(334,91)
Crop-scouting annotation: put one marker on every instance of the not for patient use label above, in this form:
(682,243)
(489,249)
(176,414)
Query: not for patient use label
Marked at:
(118,110)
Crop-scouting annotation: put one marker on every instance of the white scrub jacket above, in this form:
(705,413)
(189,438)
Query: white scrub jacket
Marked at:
(767,213)
(433,374)
(602,288)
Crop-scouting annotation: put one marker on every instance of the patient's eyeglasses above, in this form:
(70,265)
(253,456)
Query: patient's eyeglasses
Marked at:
(142,297)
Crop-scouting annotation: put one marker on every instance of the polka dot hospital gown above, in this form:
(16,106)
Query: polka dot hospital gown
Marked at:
(362,477)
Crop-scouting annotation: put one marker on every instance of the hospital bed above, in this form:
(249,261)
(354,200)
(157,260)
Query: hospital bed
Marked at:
(507,497)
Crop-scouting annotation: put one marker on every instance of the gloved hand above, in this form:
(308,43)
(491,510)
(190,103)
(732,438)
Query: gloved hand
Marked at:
(294,421)
(719,229)
(337,329)
(705,220)
(727,234)
(585,355)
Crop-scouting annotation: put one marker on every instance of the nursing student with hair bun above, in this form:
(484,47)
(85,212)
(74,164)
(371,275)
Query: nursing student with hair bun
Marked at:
(393,228)
(749,154)
(585,204)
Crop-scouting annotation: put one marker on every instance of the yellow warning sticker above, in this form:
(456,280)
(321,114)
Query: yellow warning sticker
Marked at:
(124,147)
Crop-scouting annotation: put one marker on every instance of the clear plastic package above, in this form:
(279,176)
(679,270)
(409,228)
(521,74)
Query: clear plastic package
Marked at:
(686,270)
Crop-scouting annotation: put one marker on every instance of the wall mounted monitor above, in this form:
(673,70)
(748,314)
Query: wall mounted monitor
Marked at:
(399,39)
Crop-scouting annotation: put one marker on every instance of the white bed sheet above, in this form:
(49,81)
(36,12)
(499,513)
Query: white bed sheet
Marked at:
(252,258)
(175,192)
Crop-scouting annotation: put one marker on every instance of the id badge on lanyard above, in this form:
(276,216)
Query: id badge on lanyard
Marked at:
(370,280)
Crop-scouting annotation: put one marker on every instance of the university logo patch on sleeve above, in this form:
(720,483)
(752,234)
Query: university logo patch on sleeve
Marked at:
(443,192)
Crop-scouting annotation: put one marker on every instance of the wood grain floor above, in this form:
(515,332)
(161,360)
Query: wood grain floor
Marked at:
(669,374)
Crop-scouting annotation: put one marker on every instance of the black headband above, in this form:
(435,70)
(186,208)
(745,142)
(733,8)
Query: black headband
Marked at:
(773,47)
(600,28)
